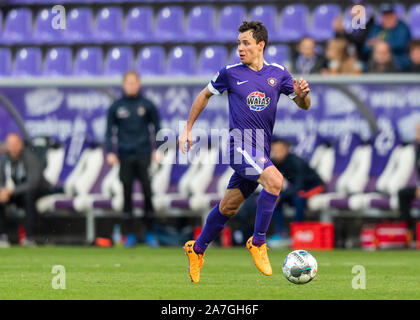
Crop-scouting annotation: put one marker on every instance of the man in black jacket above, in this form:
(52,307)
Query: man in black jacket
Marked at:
(22,183)
(304,182)
(408,194)
(131,116)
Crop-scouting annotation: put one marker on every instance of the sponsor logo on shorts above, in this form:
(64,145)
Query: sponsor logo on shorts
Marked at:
(257,101)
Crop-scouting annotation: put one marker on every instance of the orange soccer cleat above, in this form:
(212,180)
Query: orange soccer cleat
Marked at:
(259,254)
(196,261)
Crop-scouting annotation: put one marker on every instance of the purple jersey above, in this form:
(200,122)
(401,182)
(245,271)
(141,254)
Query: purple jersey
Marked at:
(253,97)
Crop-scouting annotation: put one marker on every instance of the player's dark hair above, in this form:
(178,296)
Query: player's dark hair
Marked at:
(259,31)
(286,142)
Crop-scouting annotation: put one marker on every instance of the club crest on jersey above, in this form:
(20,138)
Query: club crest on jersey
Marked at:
(272,81)
(257,101)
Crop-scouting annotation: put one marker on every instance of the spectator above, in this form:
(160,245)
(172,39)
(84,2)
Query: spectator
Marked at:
(415,57)
(395,32)
(356,37)
(308,61)
(304,183)
(131,116)
(382,60)
(21,183)
(407,195)
(339,60)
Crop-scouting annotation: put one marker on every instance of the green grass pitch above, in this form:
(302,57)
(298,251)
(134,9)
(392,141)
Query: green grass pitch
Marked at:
(145,273)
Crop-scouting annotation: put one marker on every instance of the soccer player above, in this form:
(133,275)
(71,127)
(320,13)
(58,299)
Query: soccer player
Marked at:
(254,88)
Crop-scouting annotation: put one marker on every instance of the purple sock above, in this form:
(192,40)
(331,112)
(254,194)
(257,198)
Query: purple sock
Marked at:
(265,206)
(214,225)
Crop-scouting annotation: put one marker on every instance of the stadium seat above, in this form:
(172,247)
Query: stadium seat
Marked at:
(151,61)
(58,61)
(278,54)
(119,60)
(5,62)
(43,30)
(88,61)
(109,25)
(181,60)
(234,56)
(28,62)
(293,23)
(414,20)
(322,21)
(212,59)
(79,25)
(169,24)
(267,14)
(231,17)
(139,24)
(18,26)
(201,24)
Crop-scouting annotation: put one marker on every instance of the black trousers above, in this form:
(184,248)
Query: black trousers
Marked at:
(27,202)
(136,168)
(405,196)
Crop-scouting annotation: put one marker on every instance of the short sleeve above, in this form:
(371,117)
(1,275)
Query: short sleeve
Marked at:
(219,83)
(287,85)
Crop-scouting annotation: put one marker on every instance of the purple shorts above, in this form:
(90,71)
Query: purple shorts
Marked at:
(248,164)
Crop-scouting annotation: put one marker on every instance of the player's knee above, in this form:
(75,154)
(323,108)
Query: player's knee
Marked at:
(228,210)
(274,184)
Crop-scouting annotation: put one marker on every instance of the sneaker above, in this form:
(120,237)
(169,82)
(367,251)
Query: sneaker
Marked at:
(4,241)
(151,240)
(28,242)
(130,241)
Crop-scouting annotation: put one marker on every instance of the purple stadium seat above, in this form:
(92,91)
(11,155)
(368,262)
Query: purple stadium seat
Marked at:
(230,18)
(79,25)
(27,62)
(5,62)
(18,26)
(212,59)
(234,56)
(170,24)
(293,22)
(58,61)
(201,24)
(43,30)
(139,24)
(181,60)
(119,60)
(151,60)
(88,61)
(414,20)
(267,14)
(109,24)
(277,54)
(322,21)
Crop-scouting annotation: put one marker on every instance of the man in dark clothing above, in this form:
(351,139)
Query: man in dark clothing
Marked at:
(21,183)
(357,36)
(304,183)
(131,116)
(408,194)
(395,32)
(308,61)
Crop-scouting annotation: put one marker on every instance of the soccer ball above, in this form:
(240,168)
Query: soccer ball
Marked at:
(299,267)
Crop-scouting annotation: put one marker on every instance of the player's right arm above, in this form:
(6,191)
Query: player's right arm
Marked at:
(197,107)
(217,85)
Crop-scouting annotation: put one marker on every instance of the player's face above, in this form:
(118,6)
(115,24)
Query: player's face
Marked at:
(131,85)
(248,48)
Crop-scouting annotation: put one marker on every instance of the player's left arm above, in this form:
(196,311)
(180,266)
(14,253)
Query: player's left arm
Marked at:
(302,90)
